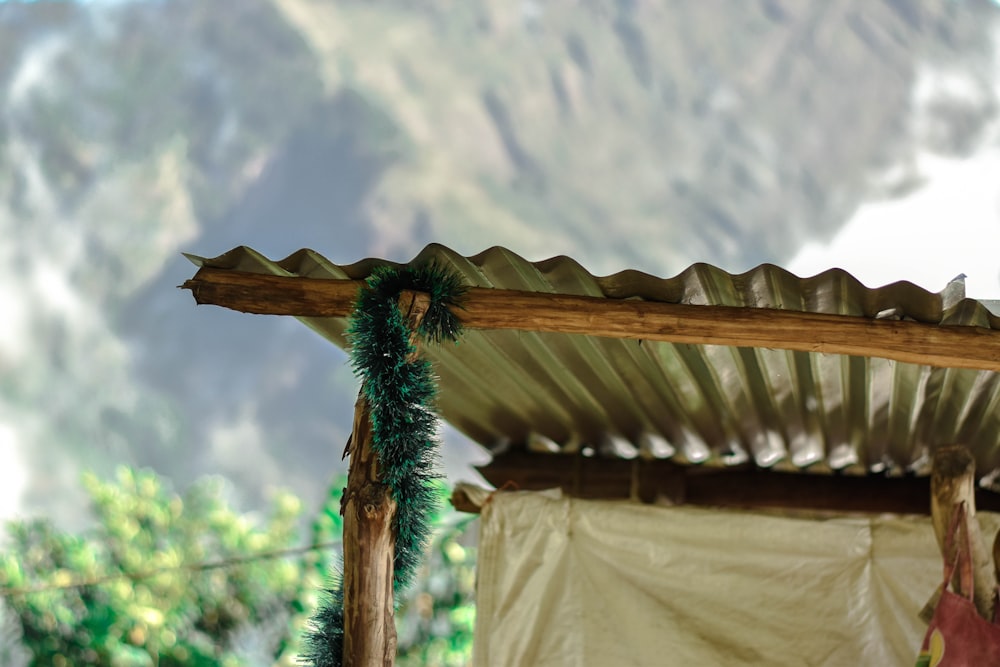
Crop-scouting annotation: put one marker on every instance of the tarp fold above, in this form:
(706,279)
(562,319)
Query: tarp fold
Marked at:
(567,582)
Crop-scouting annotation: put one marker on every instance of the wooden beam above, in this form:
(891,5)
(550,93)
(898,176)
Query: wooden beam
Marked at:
(482,308)
(738,488)
(953,476)
(369,547)
(462,503)
(369,540)
(263,294)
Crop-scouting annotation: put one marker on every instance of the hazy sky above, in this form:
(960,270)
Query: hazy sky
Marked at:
(949,226)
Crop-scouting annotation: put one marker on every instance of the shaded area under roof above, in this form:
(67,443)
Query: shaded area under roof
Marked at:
(710,405)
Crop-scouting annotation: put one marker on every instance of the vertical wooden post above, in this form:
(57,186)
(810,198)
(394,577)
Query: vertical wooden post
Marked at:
(369,540)
(996,556)
(953,476)
(369,545)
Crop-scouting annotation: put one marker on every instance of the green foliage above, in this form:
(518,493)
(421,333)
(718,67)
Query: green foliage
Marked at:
(327,526)
(151,599)
(183,615)
(13,653)
(326,627)
(435,621)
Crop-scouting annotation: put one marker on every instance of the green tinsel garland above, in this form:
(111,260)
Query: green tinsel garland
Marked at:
(400,395)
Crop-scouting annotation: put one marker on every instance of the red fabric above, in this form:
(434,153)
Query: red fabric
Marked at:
(958,636)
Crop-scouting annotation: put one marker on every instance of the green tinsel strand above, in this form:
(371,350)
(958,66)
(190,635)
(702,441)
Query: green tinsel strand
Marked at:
(325,640)
(400,395)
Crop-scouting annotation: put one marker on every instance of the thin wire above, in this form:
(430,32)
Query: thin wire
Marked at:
(147,574)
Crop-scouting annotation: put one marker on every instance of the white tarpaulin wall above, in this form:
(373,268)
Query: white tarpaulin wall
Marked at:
(581,583)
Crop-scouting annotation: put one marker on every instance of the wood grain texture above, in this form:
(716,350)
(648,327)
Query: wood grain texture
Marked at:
(369,539)
(996,556)
(369,548)
(953,481)
(482,308)
(746,487)
(263,294)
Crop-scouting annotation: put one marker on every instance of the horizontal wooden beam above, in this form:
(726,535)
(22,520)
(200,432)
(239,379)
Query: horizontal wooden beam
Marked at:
(483,308)
(740,488)
(263,294)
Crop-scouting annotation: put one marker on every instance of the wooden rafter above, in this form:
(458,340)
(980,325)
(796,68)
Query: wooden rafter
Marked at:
(743,487)
(483,308)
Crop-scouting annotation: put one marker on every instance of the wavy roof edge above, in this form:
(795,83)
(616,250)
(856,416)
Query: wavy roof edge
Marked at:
(834,291)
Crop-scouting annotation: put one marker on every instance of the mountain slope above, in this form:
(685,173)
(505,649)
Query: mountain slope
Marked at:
(625,134)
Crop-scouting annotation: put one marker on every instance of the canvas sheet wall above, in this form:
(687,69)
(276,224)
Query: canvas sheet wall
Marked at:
(566,582)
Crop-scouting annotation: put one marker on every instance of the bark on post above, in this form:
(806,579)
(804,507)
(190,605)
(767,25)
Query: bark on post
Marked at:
(996,556)
(953,476)
(369,539)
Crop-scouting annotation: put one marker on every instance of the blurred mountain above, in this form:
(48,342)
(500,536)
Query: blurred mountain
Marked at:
(625,134)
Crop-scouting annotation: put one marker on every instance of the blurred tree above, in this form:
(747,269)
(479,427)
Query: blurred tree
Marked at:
(185,615)
(183,580)
(436,620)
(13,653)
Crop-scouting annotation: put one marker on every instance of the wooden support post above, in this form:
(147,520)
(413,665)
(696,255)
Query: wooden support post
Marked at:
(369,540)
(996,564)
(996,558)
(953,476)
(369,546)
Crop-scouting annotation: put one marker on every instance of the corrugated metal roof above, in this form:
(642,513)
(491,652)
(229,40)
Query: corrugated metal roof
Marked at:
(697,404)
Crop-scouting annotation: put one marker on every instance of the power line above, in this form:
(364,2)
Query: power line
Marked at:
(188,567)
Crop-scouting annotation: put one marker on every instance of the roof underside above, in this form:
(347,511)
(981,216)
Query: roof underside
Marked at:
(708,405)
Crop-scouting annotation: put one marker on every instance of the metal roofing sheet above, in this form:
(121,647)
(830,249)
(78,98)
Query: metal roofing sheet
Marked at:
(705,404)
